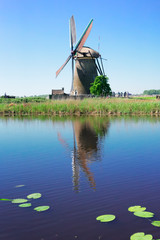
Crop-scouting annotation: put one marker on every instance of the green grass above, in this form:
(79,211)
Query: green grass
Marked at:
(95,106)
(22,100)
(144,98)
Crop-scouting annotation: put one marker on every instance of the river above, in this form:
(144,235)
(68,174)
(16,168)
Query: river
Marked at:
(84,167)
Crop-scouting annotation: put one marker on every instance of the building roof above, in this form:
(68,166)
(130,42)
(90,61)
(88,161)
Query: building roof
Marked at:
(87,52)
(57,91)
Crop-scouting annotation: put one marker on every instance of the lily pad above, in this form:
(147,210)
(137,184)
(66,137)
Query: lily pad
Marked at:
(34,195)
(19,200)
(4,199)
(25,205)
(137,235)
(41,208)
(141,236)
(144,214)
(136,209)
(18,186)
(106,218)
(148,237)
(156,223)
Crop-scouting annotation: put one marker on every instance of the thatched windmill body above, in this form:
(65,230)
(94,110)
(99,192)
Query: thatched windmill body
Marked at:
(85,70)
(87,65)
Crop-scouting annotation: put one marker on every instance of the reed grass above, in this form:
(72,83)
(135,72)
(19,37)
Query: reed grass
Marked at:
(94,106)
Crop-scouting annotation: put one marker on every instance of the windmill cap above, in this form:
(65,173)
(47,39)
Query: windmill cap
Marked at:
(87,52)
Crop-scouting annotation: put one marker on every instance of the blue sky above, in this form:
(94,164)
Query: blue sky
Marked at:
(34,43)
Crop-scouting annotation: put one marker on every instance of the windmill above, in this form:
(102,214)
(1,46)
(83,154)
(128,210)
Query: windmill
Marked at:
(87,65)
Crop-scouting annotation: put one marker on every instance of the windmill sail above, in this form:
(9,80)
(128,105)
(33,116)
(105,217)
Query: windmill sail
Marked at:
(60,69)
(84,36)
(72,32)
(72,42)
(79,45)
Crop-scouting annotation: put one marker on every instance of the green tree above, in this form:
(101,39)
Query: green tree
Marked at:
(100,86)
(151,92)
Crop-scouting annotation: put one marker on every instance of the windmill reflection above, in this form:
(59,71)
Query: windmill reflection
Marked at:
(88,135)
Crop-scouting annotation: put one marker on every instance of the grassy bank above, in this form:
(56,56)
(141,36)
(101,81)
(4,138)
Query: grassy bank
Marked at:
(22,100)
(96,106)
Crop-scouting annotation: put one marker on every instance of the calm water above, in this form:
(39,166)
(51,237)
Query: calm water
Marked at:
(83,167)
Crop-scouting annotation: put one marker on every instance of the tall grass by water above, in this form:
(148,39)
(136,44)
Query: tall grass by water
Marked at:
(94,106)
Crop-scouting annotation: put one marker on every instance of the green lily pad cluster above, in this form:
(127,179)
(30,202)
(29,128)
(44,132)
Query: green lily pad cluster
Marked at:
(31,196)
(136,210)
(24,202)
(140,212)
